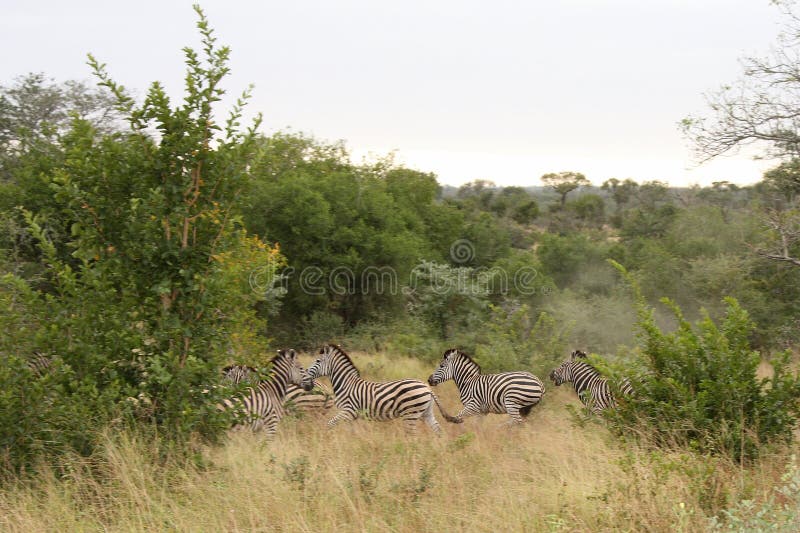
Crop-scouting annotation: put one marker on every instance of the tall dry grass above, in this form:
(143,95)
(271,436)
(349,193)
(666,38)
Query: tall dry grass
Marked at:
(548,475)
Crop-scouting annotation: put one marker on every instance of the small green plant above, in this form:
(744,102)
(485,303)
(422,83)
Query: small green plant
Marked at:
(462,441)
(296,472)
(780,513)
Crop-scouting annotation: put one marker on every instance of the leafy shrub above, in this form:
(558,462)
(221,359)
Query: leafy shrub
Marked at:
(699,386)
(154,287)
(514,341)
(320,328)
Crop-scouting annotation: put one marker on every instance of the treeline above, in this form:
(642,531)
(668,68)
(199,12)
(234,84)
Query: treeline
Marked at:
(145,245)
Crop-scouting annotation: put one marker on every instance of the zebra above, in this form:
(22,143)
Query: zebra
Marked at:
(236,374)
(408,399)
(262,406)
(318,400)
(40,364)
(296,400)
(514,393)
(592,388)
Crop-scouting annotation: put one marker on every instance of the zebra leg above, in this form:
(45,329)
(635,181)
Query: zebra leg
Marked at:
(341,415)
(271,425)
(411,425)
(468,410)
(513,411)
(430,419)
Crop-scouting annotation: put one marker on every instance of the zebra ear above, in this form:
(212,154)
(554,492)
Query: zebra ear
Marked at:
(281,352)
(292,353)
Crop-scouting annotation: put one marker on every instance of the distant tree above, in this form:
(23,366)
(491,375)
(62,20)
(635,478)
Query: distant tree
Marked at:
(589,208)
(785,179)
(651,222)
(36,109)
(515,203)
(722,195)
(781,214)
(650,194)
(481,191)
(621,191)
(525,212)
(564,182)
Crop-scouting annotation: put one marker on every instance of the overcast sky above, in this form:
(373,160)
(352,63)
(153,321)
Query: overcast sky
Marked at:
(500,90)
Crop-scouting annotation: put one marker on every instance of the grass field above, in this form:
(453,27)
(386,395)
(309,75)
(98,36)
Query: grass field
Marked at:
(551,474)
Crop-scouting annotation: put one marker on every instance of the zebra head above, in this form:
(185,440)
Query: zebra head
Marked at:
(445,368)
(236,374)
(563,373)
(296,374)
(320,367)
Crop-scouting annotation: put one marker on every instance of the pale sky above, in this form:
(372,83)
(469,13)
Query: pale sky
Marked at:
(500,90)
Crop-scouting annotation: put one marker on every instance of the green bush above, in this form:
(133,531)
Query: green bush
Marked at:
(320,328)
(700,388)
(156,283)
(512,340)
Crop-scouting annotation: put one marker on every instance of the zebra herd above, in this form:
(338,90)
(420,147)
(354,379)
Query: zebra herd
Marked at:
(263,404)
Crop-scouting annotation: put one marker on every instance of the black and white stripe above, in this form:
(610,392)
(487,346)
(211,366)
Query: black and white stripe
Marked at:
(261,407)
(296,400)
(592,388)
(39,364)
(236,374)
(514,393)
(407,399)
(318,400)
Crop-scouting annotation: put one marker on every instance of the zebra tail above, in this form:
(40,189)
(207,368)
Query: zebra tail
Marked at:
(449,418)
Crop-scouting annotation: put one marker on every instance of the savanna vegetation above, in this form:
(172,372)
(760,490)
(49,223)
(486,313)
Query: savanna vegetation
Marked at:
(148,243)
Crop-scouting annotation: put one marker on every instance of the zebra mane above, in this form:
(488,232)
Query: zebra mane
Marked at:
(580,357)
(280,355)
(467,357)
(336,349)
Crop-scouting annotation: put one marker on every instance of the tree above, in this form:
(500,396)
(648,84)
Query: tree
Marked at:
(564,182)
(159,285)
(621,191)
(589,208)
(762,107)
(482,191)
(35,111)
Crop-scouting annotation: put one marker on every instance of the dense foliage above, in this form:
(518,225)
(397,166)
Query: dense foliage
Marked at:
(140,284)
(699,386)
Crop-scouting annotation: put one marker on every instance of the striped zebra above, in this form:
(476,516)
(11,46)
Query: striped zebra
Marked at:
(296,400)
(236,374)
(408,399)
(39,364)
(592,388)
(514,393)
(261,407)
